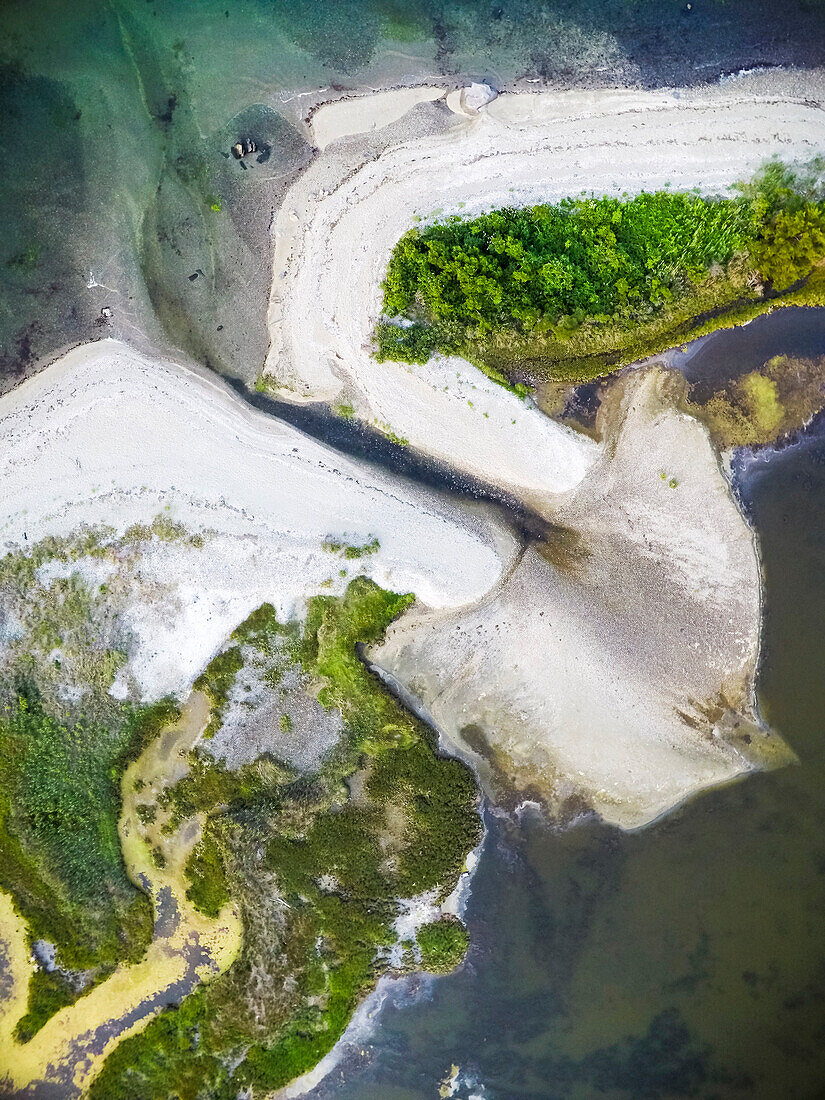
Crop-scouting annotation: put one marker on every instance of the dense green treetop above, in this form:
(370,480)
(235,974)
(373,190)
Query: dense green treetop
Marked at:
(549,270)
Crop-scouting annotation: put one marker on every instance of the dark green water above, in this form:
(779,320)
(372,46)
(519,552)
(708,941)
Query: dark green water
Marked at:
(686,960)
(116,117)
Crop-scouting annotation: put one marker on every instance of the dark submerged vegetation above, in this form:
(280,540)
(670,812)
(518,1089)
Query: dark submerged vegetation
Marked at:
(764,405)
(576,289)
(315,863)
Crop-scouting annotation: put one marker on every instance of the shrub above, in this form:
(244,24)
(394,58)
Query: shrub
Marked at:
(575,289)
(207,890)
(790,246)
(414,344)
(443,944)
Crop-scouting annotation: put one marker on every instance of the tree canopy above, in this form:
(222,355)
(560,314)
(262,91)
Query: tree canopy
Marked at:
(549,270)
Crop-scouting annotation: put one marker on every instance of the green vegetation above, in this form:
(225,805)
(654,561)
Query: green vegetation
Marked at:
(59,848)
(316,873)
(208,891)
(48,993)
(760,407)
(64,744)
(393,437)
(576,289)
(442,944)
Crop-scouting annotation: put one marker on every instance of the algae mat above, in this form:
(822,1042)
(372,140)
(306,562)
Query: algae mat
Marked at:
(187,947)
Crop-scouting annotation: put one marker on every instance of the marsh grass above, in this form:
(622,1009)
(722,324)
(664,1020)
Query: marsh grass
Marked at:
(315,873)
(64,745)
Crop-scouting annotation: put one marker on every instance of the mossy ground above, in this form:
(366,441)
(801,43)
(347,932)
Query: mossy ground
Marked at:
(316,874)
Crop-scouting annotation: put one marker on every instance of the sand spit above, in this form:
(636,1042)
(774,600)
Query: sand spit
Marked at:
(364,113)
(339,221)
(106,436)
(614,668)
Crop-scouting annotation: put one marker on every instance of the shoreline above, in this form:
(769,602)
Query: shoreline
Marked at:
(393,988)
(632,653)
(518,149)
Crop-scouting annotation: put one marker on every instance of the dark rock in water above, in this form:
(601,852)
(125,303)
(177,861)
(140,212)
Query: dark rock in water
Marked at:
(243,148)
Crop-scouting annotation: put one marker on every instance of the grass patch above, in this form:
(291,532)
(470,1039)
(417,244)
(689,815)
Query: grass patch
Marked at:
(442,944)
(48,993)
(60,854)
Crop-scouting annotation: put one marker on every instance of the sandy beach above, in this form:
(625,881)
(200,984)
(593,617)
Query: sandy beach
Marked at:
(615,668)
(518,149)
(636,618)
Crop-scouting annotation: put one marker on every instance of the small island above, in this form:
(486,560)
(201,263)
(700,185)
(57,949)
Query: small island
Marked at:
(573,290)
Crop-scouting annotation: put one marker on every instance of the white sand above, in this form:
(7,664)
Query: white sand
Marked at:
(106,436)
(365,113)
(340,220)
(587,678)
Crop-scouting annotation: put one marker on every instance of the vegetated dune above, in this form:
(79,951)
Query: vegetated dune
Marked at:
(614,668)
(106,436)
(340,220)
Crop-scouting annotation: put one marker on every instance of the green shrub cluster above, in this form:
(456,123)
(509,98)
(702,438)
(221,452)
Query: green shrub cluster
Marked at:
(572,281)
(339,864)
(598,258)
(442,944)
(207,890)
(412,344)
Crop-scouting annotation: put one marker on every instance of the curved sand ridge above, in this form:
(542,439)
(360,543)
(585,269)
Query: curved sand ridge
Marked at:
(107,436)
(340,220)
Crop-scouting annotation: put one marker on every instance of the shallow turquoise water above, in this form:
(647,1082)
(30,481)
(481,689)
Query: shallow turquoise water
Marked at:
(117,118)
